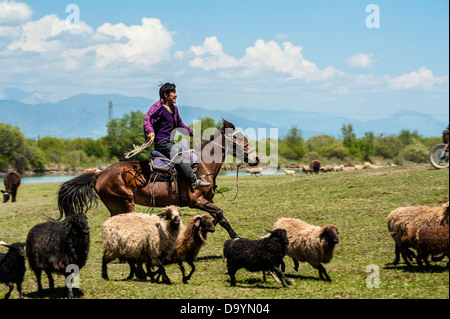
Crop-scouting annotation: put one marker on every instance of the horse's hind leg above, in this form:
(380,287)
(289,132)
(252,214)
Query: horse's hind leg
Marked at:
(217,214)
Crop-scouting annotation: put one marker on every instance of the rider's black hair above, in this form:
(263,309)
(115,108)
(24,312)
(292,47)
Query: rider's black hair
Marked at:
(166,88)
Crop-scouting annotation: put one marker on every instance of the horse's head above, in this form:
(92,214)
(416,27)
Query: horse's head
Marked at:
(240,144)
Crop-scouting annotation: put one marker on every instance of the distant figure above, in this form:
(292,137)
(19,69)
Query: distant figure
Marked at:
(12,183)
(315,167)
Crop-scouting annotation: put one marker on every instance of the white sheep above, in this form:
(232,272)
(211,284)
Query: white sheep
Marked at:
(141,238)
(289,173)
(309,243)
(254,170)
(402,218)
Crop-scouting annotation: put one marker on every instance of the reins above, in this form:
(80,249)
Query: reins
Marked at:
(237,187)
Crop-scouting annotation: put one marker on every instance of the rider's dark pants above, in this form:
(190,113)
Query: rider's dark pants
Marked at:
(181,162)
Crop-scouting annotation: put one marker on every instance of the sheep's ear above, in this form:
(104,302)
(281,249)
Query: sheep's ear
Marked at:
(269,231)
(197,222)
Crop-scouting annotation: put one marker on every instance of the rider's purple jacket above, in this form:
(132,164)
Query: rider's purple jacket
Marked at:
(161,122)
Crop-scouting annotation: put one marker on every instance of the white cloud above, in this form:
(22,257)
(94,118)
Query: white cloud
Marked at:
(210,56)
(145,44)
(14,13)
(287,59)
(361,61)
(422,79)
(39,36)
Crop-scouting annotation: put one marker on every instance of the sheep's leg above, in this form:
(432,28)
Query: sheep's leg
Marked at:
(105,262)
(38,279)
(165,278)
(69,292)
(51,283)
(11,287)
(185,279)
(232,273)
(132,270)
(19,289)
(281,275)
(295,264)
(140,273)
(283,266)
(323,273)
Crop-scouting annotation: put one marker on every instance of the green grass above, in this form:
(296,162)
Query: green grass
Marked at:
(357,202)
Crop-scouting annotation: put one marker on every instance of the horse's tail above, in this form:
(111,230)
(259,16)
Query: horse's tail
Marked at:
(77,195)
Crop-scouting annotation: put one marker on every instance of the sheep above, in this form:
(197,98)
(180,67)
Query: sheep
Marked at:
(12,267)
(338,168)
(305,169)
(289,172)
(257,255)
(254,170)
(428,240)
(315,166)
(402,218)
(141,238)
(326,168)
(189,242)
(52,246)
(367,165)
(309,243)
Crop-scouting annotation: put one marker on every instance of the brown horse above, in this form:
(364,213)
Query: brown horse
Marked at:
(123,185)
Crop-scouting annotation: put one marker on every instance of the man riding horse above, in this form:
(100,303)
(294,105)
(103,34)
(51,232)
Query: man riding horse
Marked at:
(161,120)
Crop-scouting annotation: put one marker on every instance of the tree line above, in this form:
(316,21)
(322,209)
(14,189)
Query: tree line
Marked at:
(23,154)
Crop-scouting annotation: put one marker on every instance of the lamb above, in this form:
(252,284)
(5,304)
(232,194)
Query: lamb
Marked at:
(402,218)
(257,255)
(189,242)
(254,170)
(141,238)
(289,172)
(52,246)
(326,168)
(428,240)
(12,267)
(309,243)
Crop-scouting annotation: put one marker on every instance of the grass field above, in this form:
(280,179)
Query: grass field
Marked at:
(357,202)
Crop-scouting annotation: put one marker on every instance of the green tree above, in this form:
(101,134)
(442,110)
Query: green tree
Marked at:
(125,132)
(292,146)
(13,150)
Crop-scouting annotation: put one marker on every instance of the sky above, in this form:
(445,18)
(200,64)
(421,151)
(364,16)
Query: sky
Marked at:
(366,59)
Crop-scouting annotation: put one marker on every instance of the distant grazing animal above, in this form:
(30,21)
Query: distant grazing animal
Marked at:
(429,240)
(12,183)
(254,170)
(12,267)
(402,218)
(140,238)
(326,168)
(305,169)
(289,172)
(52,246)
(257,255)
(309,243)
(315,166)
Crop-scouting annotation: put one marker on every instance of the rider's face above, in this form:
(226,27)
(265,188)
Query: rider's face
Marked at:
(171,98)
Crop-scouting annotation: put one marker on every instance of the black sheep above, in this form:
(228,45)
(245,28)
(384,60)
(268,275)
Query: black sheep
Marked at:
(12,267)
(52,246)
(257,255)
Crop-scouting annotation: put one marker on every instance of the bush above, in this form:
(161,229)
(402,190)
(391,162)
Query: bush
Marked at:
(415,152)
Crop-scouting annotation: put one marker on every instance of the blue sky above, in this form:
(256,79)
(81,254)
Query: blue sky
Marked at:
(305,55)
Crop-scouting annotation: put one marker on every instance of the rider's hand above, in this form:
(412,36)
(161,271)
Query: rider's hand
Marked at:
(151,136)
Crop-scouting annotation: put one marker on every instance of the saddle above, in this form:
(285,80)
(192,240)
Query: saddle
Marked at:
(161,163)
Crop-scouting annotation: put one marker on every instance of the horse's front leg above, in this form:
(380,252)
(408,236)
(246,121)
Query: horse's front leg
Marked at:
(217,214)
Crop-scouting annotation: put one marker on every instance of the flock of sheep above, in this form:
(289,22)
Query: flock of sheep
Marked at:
(159,240)
(315,167)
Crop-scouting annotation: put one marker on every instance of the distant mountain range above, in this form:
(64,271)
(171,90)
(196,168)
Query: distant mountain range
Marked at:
(86,115)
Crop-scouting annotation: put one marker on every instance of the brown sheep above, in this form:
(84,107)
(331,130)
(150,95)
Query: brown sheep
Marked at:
(402,218)
(315,166)
(428,240)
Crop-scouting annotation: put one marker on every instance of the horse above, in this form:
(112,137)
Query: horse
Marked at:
(125,184)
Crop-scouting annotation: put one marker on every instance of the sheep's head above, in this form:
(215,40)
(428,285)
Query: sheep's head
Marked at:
(444,220)
(280,234)
(330,233)
(172,214)
(16,248)
(203,225)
